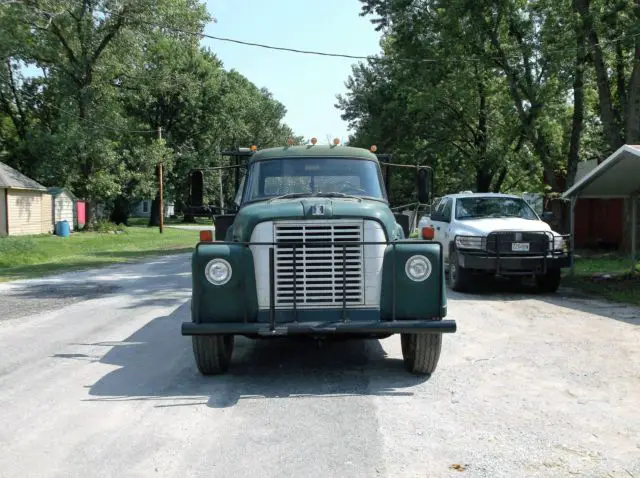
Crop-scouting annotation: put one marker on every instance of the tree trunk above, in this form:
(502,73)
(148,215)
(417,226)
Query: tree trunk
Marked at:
(500,181)
(154,216)
(632,133)
(483,179)
(120,212)
(484,174)
(610,120)
(578,105)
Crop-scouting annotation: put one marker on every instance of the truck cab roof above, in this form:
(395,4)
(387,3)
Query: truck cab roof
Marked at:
(306,151)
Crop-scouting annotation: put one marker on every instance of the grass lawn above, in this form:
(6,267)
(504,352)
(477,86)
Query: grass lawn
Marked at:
(34,256)
(144,222)
(621,286)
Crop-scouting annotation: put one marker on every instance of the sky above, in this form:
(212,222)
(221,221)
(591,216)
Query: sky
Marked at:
(307,85)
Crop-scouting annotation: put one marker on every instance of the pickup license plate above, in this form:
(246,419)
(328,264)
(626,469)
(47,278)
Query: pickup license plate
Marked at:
(520,247)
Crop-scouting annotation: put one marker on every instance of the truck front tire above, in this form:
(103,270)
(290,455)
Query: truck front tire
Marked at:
(212,353)
(549,282)
(421,352)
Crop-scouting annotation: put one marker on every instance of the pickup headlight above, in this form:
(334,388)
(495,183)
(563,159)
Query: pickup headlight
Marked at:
(218,271)
(557,243)
(469,242)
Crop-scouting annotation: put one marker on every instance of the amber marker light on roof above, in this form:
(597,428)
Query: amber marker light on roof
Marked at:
(336,141)
(374,148)
(314,140)
(254,148)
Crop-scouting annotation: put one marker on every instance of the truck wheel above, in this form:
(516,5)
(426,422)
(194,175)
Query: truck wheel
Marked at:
(421,352)
(212,353)
(459,277)
(549,282)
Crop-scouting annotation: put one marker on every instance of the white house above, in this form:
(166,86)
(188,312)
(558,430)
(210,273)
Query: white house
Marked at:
(143,208)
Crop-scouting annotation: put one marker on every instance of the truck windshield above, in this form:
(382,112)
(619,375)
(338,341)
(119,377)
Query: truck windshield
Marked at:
(314,177)
(483,207)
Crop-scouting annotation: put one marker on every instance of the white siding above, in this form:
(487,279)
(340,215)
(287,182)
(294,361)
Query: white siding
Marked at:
(63,209)
(3,212)
(25,212)
(46,216)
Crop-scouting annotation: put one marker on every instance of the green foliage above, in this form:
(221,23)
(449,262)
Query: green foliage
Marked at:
(485,92)
(105,227)
(110,80)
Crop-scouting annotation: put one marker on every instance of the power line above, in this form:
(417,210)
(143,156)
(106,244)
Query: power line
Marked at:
(265,46)
(368,58)
(344,55)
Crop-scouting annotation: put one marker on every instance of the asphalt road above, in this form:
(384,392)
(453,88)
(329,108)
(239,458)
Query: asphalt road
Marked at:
(95,380)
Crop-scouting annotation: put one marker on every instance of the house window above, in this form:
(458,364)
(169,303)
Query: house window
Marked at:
(145,206)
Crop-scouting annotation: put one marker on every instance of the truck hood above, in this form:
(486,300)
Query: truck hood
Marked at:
(303,209)
(482,227)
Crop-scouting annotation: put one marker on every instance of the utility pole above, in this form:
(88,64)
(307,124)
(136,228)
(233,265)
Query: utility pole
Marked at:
(161,186)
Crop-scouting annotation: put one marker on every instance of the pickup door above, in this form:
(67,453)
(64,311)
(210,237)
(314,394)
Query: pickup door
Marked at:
(440,220)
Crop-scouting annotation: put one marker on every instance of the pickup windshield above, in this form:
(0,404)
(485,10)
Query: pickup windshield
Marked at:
(479,207)
(300,177)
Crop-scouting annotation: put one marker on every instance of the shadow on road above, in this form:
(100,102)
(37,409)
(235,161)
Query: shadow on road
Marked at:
(158,290)
(491,289)
(156,363)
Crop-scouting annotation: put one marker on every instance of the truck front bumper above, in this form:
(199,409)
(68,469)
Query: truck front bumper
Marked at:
(311,328)
(514,265)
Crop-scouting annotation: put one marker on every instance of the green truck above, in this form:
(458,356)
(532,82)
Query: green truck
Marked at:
(315,249)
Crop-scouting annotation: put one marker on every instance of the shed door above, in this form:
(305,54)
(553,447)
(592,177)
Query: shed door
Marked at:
(64,209)
(81,213)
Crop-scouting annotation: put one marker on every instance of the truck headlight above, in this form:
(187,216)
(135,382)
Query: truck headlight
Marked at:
(218,271)
(418,268)
(469,242)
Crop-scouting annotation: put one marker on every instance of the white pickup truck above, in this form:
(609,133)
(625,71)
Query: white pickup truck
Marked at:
(498,234)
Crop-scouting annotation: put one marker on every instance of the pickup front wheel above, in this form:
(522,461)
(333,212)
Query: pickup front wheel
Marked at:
(459,277)
(421,352)
(549,282)
(212,353)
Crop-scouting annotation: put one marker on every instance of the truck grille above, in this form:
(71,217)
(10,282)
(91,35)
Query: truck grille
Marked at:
(502,242)
(319,268)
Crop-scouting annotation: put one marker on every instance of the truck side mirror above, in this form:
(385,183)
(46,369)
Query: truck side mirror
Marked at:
(424,185)
(547,216)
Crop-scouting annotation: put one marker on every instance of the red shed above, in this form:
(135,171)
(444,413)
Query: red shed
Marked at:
(81,214)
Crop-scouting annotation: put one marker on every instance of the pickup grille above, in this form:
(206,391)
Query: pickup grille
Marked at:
(501,242)
(319,268)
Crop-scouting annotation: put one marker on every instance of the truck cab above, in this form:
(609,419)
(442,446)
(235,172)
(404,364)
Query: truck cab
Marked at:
(314,249)
(496,234)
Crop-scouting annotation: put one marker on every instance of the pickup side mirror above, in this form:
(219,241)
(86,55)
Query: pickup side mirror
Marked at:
(547,216)
(424,178)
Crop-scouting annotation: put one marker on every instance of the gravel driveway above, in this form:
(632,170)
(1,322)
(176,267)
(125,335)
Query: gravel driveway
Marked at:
(104,385)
